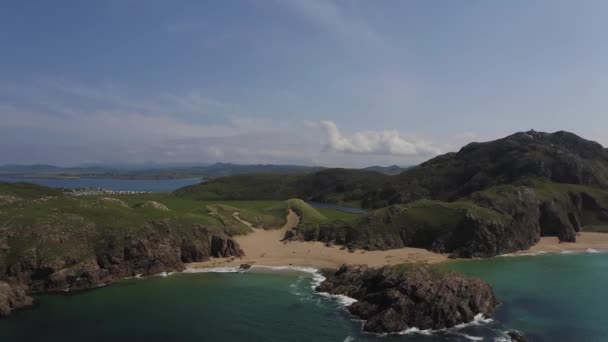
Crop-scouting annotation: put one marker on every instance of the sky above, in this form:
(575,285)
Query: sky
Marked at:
(314,82)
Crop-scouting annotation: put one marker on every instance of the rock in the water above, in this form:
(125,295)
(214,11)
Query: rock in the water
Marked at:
(244,267)
(517,336)
(390,299)
(12,297)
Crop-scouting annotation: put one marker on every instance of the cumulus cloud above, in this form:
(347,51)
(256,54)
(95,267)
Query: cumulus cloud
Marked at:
(386,142)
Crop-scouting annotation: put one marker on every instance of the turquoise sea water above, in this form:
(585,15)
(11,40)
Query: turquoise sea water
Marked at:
(551,298)
(154,185)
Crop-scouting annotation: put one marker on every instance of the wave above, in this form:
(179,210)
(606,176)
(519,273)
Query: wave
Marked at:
(516,254)
(591,250)
(164,274)
(479,319)
(213,270)
(349,339)
(317,278)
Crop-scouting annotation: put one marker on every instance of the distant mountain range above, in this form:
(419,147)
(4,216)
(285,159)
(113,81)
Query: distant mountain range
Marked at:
(167,171)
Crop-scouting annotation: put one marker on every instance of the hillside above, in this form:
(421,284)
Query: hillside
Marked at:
(559,157)
(342,186)
(50,241)
(487,199)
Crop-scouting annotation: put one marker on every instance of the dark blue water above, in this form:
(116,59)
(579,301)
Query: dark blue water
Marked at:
(154,185)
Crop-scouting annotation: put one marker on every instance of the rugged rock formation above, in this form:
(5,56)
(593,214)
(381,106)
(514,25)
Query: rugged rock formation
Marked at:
(393,300)
(158,250)
(12,297)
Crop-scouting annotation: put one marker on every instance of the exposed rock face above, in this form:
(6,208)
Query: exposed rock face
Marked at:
(392,300)
(478,237)
(555,221)
(158,250)
(12,297)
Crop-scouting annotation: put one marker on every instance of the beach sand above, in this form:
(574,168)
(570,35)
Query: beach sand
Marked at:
(584,242)
(264,247)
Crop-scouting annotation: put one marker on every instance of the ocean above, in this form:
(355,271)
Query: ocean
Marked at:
(153,185)
(549,297)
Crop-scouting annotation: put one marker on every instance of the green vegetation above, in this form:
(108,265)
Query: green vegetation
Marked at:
(243,187)
(414,224)
(340,186)
(40,218)
(27,190)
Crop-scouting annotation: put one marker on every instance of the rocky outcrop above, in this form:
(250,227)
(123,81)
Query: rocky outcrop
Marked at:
(555,221)
(12,297)
(158,249)
(516,336)
(392,300)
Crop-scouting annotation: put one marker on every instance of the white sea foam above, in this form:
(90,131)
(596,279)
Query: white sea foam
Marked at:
(591,250)
(417,331)
(165,274)
(566,252)
(479,319)
(317,279)
(213,270)
(345,301)
(522,254)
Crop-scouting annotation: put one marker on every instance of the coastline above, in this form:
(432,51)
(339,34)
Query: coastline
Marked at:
(264,248)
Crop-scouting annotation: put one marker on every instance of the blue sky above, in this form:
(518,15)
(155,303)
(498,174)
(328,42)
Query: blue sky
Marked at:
(336,83)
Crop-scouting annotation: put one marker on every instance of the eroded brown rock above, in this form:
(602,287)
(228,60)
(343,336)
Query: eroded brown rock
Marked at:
(12,297)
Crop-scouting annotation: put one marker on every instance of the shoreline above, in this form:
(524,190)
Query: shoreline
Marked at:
(266,248)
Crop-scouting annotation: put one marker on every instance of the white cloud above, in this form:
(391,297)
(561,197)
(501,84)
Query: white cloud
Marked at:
(387,142)
(66,122)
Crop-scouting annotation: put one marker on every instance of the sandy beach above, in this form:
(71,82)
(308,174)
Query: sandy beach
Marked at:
(584,242)
(264,247)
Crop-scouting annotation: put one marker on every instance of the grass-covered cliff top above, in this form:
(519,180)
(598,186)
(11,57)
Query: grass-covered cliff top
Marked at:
(34,217)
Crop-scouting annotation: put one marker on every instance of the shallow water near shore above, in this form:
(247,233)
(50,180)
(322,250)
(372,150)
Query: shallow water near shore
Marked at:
(550,297)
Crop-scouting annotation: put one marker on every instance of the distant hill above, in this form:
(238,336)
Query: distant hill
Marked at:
(144,172)
(387,170)
(486,199)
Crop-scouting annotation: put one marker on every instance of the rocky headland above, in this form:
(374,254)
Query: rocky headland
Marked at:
(393,299)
